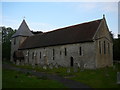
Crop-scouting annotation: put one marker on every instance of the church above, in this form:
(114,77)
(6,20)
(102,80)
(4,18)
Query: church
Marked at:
(88,45)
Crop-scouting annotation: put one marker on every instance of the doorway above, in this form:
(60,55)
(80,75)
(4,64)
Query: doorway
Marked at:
(71,61)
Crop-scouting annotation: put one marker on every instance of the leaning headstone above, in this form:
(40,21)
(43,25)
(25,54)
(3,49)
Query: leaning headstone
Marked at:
(118,77)
(68,70)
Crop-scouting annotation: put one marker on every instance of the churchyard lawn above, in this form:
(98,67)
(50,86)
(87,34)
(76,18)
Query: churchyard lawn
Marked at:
(98,78)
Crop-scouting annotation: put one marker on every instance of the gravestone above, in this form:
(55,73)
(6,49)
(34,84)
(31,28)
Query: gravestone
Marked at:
(75,67)
(82,65)
(78,65)
(68,70)
(56,65)
(118,77)
(113,66)
(51,66)
(17,62)
(44,67)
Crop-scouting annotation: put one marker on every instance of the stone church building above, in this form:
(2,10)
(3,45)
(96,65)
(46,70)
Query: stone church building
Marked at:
(87,45)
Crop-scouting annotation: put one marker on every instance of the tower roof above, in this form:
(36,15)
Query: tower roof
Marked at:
(23,30)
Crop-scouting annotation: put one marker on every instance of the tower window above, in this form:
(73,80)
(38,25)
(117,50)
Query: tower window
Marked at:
(65,52)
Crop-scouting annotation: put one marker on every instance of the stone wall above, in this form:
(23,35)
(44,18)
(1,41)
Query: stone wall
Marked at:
(102,38)
(86,59)
(15,43)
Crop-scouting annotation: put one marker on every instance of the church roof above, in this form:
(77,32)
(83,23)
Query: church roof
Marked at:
(68,35)
(23,30)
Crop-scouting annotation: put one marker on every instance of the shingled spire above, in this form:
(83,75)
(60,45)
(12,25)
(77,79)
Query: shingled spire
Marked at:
(23,30)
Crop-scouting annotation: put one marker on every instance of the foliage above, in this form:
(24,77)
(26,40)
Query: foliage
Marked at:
(6,42)
(15,79)
(116,49)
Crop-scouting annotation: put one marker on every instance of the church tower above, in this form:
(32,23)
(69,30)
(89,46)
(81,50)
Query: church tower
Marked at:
(17,39)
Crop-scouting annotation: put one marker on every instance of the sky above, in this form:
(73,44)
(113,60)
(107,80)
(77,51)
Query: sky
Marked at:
(47,16)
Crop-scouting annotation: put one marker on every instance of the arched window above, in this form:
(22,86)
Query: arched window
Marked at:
(80,51)
(33,55)
(104,47)
(100,51)
(40,55)
(108,48)
(53,54)
(65,52)
(60,53)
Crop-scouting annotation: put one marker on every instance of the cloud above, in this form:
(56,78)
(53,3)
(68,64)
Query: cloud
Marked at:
(104,6)
(110,7)
(86,5)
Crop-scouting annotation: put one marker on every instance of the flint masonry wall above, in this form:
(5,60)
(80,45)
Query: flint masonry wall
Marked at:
(56,54)
(103,39)
(15,43)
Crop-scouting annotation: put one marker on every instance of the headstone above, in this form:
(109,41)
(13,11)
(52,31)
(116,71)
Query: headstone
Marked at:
(56,65)
(113,66)
(78,65)
(50,66)
(44,67)
(68,70)
(82,66)
(75,67)
(17,62)
(85,65)
(118,77)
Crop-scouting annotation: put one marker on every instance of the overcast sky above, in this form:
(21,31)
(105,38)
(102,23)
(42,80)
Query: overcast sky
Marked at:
(47,16)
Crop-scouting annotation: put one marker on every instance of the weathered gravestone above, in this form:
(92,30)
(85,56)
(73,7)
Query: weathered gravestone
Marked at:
(51,66)
(44,67)
(56,65)
(75,67)
(17,62)
(68,70)
(78,65)
(82,66)
(118,77)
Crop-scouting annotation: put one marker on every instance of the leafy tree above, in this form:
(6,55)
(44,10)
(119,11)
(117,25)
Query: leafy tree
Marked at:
(116,49)
(6,42)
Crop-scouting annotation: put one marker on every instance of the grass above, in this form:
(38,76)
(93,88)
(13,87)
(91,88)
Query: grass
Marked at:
(15,79)
(98,78)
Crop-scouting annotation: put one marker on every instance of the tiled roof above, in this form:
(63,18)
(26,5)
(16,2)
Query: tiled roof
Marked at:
(73,34)
(23,30)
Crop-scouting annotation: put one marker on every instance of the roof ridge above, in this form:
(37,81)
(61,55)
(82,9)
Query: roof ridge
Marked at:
(71,26)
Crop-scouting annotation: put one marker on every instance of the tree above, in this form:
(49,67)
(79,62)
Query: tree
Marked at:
(6,42)
(116,49)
